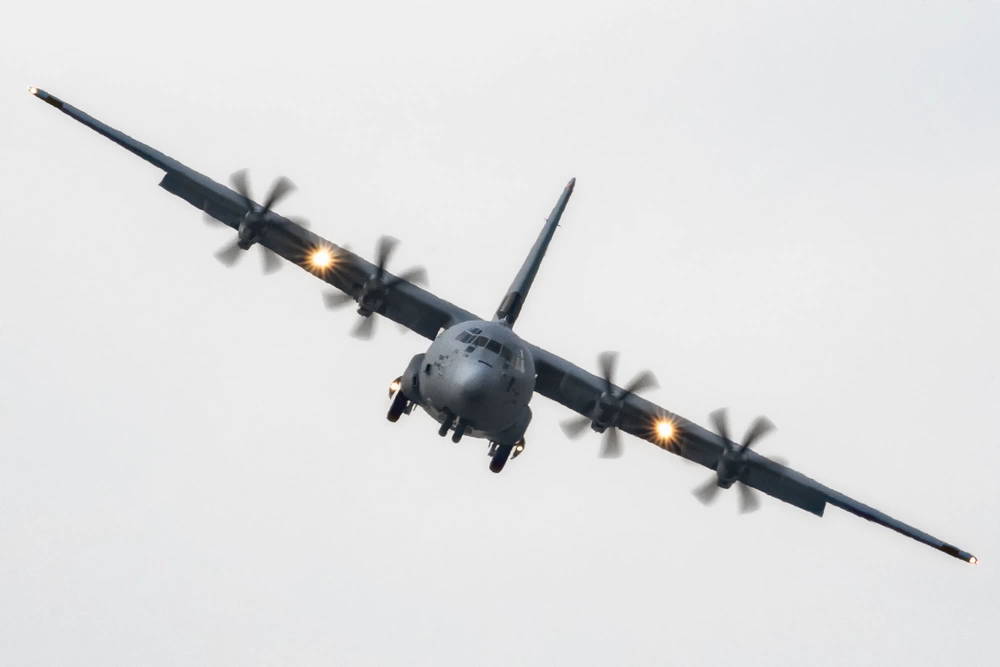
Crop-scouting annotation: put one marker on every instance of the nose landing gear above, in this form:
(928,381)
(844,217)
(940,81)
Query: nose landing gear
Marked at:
(460,426)
(446,423)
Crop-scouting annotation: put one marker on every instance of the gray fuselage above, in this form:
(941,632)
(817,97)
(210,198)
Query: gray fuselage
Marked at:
(480,372)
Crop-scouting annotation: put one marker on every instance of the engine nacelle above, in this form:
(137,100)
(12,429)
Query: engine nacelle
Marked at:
(606,412)
(729,468)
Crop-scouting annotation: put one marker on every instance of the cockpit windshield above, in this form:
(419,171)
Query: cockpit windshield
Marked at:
(512,356)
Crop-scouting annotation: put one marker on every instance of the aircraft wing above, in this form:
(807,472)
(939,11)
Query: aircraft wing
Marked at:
(579,391)
(411,306)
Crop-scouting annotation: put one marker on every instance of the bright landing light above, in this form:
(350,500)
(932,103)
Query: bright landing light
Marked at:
(321,258)
(665,430)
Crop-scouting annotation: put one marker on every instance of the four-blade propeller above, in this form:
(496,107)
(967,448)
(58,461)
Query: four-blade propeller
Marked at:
(607,411)
(733,461)
(255,220)
(376,287)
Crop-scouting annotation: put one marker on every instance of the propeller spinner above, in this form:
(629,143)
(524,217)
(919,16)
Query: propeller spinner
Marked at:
(733,461)
(255,220)
(607,411)
(375,288)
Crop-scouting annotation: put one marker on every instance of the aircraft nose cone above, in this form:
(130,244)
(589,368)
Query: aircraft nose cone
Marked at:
(478,395)
(476,386)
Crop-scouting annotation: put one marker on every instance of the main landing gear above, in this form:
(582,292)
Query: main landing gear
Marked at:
(400,403)
(500,452)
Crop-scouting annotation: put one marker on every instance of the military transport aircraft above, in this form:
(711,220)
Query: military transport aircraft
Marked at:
(477,377)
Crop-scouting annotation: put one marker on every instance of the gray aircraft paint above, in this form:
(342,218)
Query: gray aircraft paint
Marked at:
(468,381)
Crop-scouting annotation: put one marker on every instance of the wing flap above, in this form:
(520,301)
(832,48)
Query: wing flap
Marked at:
(785,484)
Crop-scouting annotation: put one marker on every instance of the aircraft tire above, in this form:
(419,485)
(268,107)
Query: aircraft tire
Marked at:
(398,406)
(500,456)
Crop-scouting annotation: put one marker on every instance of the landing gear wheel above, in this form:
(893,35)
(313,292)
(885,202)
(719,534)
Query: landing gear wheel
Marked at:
(398,406)
(500,456)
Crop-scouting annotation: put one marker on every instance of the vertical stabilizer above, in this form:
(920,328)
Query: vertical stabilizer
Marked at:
(510,307)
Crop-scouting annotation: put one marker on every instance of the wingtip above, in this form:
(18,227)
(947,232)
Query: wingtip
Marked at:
(958,553)
(46,97)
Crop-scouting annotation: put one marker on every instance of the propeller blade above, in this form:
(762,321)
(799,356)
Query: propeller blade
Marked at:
(575,426)
(365,328)
(607,361)
(239,181)
(611,447)
(720,424)
(383,250)
(641,382)
(271,260)
(706,492)
(336,299)
(761,426)
(229,254)
(279,191)
(417,275)
(749,502)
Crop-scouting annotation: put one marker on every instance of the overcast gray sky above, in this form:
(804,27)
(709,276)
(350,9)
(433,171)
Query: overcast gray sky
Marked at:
(785,208)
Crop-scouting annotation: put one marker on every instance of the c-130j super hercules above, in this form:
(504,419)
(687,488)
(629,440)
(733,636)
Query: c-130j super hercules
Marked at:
(477,377)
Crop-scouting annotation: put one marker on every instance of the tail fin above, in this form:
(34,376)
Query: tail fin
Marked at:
(510,307)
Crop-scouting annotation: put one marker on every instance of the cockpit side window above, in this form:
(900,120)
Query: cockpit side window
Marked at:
(519,360)
(493,346)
